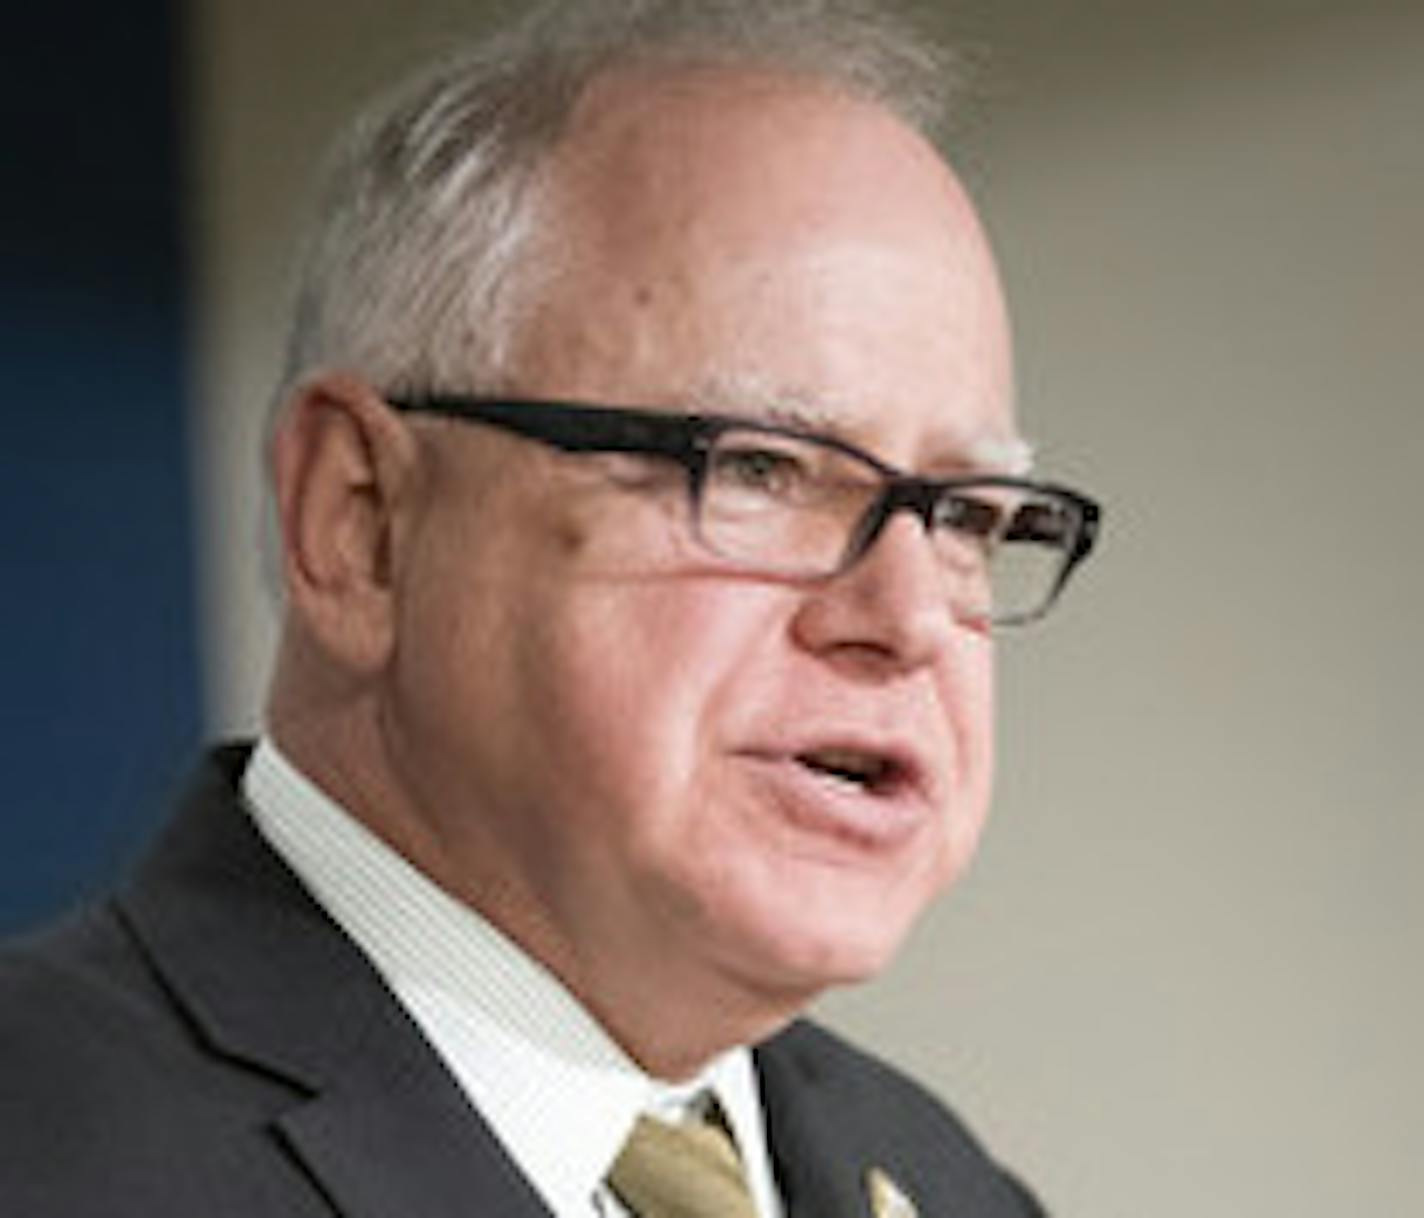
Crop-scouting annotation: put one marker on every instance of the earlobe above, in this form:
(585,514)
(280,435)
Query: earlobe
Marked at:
(340,466)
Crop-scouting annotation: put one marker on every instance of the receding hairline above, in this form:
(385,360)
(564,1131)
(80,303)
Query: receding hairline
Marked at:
(454,153)
(688,141)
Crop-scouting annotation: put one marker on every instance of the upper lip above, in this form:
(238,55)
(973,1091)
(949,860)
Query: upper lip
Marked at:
(896,765)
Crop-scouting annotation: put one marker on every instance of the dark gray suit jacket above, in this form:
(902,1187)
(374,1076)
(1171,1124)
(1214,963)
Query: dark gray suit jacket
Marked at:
(208,1043)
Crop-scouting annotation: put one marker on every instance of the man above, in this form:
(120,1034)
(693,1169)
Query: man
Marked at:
(629,693)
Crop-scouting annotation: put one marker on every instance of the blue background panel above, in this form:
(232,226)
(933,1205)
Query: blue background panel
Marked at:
(100,710)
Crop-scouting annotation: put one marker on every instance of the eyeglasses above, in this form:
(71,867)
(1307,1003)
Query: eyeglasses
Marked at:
(782,502)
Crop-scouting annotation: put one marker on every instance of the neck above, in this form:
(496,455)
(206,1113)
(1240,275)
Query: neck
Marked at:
(670,1013)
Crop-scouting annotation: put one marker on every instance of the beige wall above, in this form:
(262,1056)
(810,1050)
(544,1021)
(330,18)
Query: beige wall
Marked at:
(1185,977)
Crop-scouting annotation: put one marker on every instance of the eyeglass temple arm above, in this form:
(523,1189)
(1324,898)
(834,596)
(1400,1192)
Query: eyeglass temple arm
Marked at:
(575,428)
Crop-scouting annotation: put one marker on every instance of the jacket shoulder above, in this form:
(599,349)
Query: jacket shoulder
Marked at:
(82,975)
(111,1102)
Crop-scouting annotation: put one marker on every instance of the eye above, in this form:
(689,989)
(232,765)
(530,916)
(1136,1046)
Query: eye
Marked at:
(970,516)
(1041,523)
(759,469)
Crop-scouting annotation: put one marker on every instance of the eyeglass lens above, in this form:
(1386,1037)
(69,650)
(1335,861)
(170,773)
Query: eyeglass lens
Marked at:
(794,506)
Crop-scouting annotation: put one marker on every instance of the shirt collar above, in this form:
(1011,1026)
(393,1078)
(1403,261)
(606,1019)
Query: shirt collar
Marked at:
(556,1090)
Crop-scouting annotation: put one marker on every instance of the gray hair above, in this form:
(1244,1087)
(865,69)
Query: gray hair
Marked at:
(432,197)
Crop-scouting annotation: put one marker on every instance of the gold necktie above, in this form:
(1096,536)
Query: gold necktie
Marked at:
(681,1171)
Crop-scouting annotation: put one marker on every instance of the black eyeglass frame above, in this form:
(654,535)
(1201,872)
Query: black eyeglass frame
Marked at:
(688,439)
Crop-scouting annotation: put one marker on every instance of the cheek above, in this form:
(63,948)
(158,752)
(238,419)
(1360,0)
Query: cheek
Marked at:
(965,690)
(967,820)
(636,677)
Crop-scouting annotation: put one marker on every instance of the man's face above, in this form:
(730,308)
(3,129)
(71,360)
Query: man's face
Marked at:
(629,751)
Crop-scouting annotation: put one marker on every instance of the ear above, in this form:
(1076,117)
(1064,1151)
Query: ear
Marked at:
(342,466)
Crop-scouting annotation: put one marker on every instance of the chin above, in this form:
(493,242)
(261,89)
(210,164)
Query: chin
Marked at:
(784,926)
(802,955)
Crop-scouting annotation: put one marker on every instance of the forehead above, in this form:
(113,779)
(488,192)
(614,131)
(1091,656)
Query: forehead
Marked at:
(714,231)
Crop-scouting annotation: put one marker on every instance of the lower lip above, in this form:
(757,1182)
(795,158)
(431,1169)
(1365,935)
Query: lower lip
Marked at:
(819,803)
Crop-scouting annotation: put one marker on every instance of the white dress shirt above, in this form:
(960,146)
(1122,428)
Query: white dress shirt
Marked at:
(556,1090)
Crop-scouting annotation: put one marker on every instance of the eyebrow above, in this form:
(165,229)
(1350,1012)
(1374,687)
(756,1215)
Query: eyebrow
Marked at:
(1002,454)
(751,399)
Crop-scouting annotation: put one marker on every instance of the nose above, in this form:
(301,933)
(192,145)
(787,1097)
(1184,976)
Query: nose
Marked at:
(890,612)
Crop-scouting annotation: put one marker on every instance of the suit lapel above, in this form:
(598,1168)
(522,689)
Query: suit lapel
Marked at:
(376,1117)
(814,1153)
(390,1142)
(850,1139)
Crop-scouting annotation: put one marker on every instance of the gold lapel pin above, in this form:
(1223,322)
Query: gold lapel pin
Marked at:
(887,1199)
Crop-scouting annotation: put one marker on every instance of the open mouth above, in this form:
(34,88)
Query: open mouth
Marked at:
(871,772)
